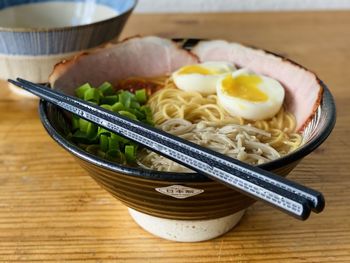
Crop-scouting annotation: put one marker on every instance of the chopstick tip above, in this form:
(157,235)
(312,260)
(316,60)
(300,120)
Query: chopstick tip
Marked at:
(321,203)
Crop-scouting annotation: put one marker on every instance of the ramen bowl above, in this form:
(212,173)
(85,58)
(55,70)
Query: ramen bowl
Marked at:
(36,34)
(184,207)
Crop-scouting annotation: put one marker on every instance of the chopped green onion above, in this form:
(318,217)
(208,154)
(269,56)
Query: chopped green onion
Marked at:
(130,153)
(91,131)
(92,95)
(80,137)
(125,98)
(75,122)
(139,114)
(117,107)
(127,114)
(120,139)
(106,106)
(115,155)
(80,92)
(88,128)
(103,131)
(100,141)
(106,89)
(134,105)
(113,144)
(141,95)
(104,142)
(83,125)
(147,111)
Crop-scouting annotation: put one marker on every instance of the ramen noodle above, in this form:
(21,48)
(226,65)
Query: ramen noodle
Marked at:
(202,120)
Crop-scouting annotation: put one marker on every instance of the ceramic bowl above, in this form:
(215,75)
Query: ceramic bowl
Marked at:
(182,206)
(36,34)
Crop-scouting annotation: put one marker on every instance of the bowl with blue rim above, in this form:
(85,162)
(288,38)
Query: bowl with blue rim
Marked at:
(36,34)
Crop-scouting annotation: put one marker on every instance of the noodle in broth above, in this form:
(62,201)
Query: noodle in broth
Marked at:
(202,120)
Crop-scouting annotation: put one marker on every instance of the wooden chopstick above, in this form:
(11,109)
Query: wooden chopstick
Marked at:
(290,197)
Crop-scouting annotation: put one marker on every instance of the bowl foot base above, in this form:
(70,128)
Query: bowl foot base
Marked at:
(186,230)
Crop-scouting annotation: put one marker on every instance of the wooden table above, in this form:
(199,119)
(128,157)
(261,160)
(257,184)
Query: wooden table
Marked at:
(51,210)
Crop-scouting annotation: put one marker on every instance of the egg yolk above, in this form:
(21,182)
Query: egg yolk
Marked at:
(196,69)
(244,87)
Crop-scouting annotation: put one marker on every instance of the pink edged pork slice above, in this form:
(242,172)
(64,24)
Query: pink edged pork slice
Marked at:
(135,57)
(303,89)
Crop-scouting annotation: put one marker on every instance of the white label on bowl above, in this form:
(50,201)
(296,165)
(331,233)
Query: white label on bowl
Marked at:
(179,191)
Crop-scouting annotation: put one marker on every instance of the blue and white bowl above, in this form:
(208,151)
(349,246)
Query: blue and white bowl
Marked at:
(36,34)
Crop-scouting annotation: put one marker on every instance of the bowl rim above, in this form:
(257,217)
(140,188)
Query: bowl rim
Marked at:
(65,28)
(327,103)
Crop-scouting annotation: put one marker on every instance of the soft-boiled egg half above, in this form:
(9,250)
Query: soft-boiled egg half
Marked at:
(250,96)
(202,77)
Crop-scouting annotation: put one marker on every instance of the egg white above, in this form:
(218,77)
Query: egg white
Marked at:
(204,84)
(253,110)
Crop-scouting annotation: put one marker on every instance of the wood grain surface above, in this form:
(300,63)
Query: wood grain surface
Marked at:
(52,211)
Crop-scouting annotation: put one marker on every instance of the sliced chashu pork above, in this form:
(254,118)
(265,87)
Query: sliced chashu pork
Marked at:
(303,89)
(154,56)
(139,56)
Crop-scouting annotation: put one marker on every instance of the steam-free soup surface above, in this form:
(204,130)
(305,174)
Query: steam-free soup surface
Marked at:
(54,14)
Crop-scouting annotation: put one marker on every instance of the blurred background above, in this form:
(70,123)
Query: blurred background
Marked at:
(159,6)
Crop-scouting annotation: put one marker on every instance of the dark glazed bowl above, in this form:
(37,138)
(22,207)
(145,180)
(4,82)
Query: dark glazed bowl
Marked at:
(136,187)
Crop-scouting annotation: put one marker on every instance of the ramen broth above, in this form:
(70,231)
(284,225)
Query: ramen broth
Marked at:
(54,14)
